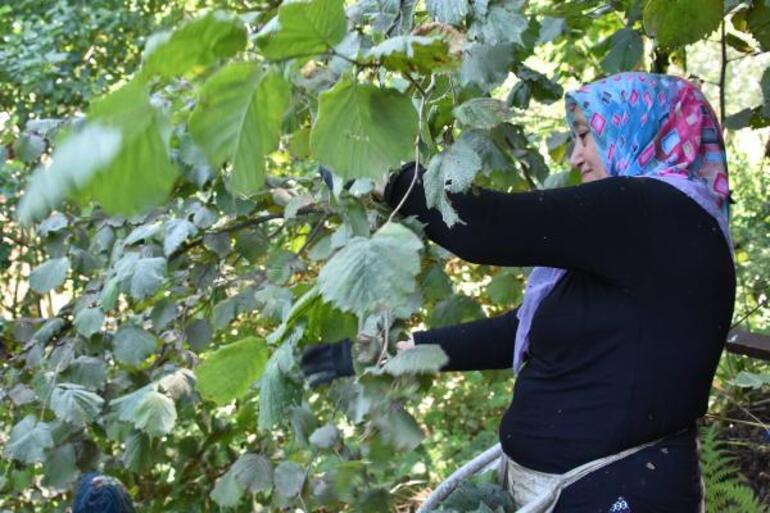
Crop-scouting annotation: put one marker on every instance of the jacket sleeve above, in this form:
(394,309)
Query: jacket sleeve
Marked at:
(477,345)
(599,227)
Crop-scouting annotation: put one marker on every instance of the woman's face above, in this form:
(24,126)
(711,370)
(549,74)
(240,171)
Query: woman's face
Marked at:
(585,156)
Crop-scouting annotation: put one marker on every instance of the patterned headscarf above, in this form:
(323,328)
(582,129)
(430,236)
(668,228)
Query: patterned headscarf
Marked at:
(648,125)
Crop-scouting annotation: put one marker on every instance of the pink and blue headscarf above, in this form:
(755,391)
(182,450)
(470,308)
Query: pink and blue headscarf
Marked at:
(644,125)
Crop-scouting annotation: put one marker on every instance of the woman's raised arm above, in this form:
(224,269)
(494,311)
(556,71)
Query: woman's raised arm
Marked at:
(598,226)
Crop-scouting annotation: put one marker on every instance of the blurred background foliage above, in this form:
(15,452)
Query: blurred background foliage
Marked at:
(178,248)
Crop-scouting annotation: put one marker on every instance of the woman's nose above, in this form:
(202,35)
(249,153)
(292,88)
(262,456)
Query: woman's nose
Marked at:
(576,156)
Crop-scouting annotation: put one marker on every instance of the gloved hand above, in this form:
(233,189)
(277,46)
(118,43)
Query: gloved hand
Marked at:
(322,363)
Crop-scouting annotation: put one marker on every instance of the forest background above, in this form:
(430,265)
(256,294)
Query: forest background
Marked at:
(168,248)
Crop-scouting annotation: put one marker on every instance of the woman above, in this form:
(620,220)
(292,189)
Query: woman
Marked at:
(624,319)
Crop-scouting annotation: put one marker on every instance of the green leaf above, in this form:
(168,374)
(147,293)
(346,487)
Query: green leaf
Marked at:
(125,405)
(132,345)
(89,321)
(227,492)
(482,112)
(423,54)
(60,468)
(504,288)
(49,275)
(147,277)
(238,119)
(502,24)
(362,130)
(88,371)
(155,414)
(368,274)
(177,231)
(29,440)
(325,437)
(455,309)
(753,380)
(626,51)
(486,65)
(75,404)
(289,478)
(758,20)
(663,20)
(452,12)
(198,334)
(421,359)
(138,453)
(399,429)
(563,179)
(74,161)
(253,472)
(452,170)
(228,372)
(194,46)
(143,232)
(303,29)
(277,392)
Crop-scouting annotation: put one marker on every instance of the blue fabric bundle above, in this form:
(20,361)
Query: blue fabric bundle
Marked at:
(97,493)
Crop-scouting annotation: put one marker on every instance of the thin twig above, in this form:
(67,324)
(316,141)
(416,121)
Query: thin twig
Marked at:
(416,150)
(751,312)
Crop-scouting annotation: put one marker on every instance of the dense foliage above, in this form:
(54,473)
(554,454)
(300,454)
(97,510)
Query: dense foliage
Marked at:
(168,247)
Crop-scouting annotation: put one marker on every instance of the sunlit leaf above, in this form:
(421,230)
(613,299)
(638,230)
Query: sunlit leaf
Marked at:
(303,28)
(228,372)
(368,274)
(362,130)
(238,120)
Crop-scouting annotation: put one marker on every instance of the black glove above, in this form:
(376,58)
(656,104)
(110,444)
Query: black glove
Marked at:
(322,363)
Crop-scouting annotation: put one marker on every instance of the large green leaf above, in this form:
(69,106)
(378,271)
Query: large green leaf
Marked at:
(29,440)
(758,20)
(277,392)
(88,321)
(228,372)
(486,65)
(238,120)
(289,478)
(60,468)
(155,414)
(363,130)
(147,277)
(195,45)
(482,112)
(303,29)
(141,174)
(119,158)
(626,51)
(663,19)
(49,275)
(253,472)
(502,24)
(132,344)
(452,170)
(74,161)
(75,404)
(368,274)
(227,492)
(421,359)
